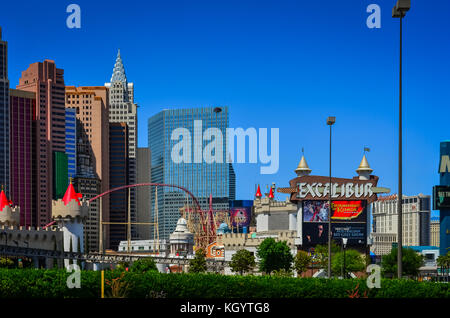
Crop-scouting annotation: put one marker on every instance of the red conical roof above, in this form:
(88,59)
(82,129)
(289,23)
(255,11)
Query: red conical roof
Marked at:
(4,200)
(271,193)
(71,195)
(258,192)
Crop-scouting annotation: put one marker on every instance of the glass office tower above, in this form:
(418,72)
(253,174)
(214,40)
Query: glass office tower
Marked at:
(201,178)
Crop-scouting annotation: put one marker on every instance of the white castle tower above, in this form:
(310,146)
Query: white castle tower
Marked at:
(9,216)
(70,215)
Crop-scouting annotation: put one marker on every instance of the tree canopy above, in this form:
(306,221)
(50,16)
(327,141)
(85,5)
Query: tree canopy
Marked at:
(354,262)
(144,265)
(242,261)
(198,263)
(274,255)
(301,262)
(411,262)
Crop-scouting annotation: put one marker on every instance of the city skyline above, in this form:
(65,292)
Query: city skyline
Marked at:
(260,63)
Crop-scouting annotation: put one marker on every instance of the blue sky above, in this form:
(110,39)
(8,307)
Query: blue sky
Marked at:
(276,64)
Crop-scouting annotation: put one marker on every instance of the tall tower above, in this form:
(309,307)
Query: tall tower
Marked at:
(47,82)
(70,214)
(4,115)
(202,179)
(122,109)
(23,183)
(91,106)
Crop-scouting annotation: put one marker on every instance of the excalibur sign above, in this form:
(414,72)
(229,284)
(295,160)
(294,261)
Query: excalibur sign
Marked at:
(317,187)
(346,190)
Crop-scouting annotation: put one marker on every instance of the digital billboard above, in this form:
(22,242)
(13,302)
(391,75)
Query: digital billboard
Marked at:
(348,220)
(441,197)
(317,211)
(240,213)
(240,217)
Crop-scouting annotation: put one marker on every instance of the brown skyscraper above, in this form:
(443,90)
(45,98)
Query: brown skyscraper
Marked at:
(92,177)
(47,82)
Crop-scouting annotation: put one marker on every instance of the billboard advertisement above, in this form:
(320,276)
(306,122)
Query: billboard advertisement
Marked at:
(315,233)
(240,217)
(317,211)
(348,220)
(441,197)
(240,213)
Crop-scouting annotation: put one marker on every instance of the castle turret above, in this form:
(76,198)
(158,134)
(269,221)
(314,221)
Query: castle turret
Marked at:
(8,215)
(364,169)
(70,214)
(302,168)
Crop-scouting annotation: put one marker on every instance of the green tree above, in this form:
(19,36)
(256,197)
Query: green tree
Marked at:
(321,251)
(242,261)
(411,262)
(274,256)
(443,262)
(144,265)
(198,263)
(354,262)
(301,262)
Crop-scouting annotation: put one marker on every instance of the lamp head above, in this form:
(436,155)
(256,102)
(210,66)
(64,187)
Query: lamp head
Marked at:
(344,241)
(400,8)
(331,120)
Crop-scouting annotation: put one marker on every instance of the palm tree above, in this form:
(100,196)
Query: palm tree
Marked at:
(443,262)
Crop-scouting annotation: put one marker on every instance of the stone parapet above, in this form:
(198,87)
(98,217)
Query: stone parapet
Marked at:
(10,216)
(72,210)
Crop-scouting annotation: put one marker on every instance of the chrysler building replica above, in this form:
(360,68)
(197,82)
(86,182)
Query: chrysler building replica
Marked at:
(122,109)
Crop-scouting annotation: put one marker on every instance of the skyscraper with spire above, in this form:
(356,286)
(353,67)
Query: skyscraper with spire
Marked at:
(122,109)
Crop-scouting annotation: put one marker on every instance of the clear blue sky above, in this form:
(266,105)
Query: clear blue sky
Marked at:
(281,64)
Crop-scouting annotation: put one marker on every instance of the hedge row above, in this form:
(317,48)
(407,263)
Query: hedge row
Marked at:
(34,283)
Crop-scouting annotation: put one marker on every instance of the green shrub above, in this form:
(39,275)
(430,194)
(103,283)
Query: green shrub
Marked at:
(41,283)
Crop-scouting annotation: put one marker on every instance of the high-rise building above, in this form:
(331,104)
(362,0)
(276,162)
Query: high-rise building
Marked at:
(434,231)
(122,109)
(47,82)
(200,178)
(23,185)
(118,154)
(91,105)
(4,116)
(143,194)
(60,175)
(71,141)
(416,222)
(232,191)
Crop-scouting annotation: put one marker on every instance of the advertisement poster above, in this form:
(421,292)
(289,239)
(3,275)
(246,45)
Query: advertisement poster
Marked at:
(315,233)
(317,211)
(240,217)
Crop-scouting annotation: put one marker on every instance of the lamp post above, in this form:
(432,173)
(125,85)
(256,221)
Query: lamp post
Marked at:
(330,122)
(344,244)
(399,11)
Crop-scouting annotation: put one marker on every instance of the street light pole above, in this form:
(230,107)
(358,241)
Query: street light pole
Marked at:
(399,11)
(330,122)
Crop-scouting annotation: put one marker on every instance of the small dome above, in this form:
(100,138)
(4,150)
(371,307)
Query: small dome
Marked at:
(181,226)
(223,228)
